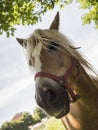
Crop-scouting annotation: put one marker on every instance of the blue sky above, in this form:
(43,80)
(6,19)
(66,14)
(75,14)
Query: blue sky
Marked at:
(16,81)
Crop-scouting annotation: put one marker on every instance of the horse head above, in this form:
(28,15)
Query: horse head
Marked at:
(48,53)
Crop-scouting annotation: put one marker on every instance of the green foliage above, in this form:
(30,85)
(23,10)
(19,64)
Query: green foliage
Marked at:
(27,119)
(13,125)
(21,124)
(24,121)
(38,115)
(53,124)
(6,126)
(18,125)
(29,12)
(24,12)
(92,11)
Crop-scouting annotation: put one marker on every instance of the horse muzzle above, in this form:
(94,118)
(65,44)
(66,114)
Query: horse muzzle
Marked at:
(51,97)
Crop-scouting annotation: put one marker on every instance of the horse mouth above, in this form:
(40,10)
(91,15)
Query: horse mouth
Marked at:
(63,113)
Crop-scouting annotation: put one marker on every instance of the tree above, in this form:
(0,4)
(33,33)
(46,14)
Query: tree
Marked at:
(39,112)
(14,125)
(29,12)
(92,11)
(27,118)
(24,12)
(6,126)
(24,121)
(38,115)
(22,124)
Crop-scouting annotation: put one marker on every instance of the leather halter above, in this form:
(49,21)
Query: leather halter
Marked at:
(62,80)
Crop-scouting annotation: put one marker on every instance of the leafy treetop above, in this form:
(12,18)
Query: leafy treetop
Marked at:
(29,12)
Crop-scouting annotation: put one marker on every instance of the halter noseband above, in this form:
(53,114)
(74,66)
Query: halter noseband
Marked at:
(62,80)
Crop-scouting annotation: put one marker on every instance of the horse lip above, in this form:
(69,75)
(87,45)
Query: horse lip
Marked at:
(63,113)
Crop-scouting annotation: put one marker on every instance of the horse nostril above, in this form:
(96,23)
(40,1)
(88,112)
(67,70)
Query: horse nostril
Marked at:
(50,95)
(46,94)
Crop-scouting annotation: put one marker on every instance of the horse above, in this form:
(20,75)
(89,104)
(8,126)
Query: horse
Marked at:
(65,86)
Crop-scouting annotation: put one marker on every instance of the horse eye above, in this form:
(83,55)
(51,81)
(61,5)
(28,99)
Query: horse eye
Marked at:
(52,46)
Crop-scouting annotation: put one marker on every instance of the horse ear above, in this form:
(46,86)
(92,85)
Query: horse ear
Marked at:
(22,42)
(55,23)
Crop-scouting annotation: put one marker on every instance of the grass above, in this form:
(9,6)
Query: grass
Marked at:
(53,124)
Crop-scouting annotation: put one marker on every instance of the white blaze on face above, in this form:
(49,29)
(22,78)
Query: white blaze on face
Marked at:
(36,55)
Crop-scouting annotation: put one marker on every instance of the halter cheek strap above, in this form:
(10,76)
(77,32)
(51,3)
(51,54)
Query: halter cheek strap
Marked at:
(62,80)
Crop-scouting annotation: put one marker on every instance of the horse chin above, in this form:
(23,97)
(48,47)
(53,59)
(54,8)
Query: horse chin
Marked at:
(60,113)
(63,113)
